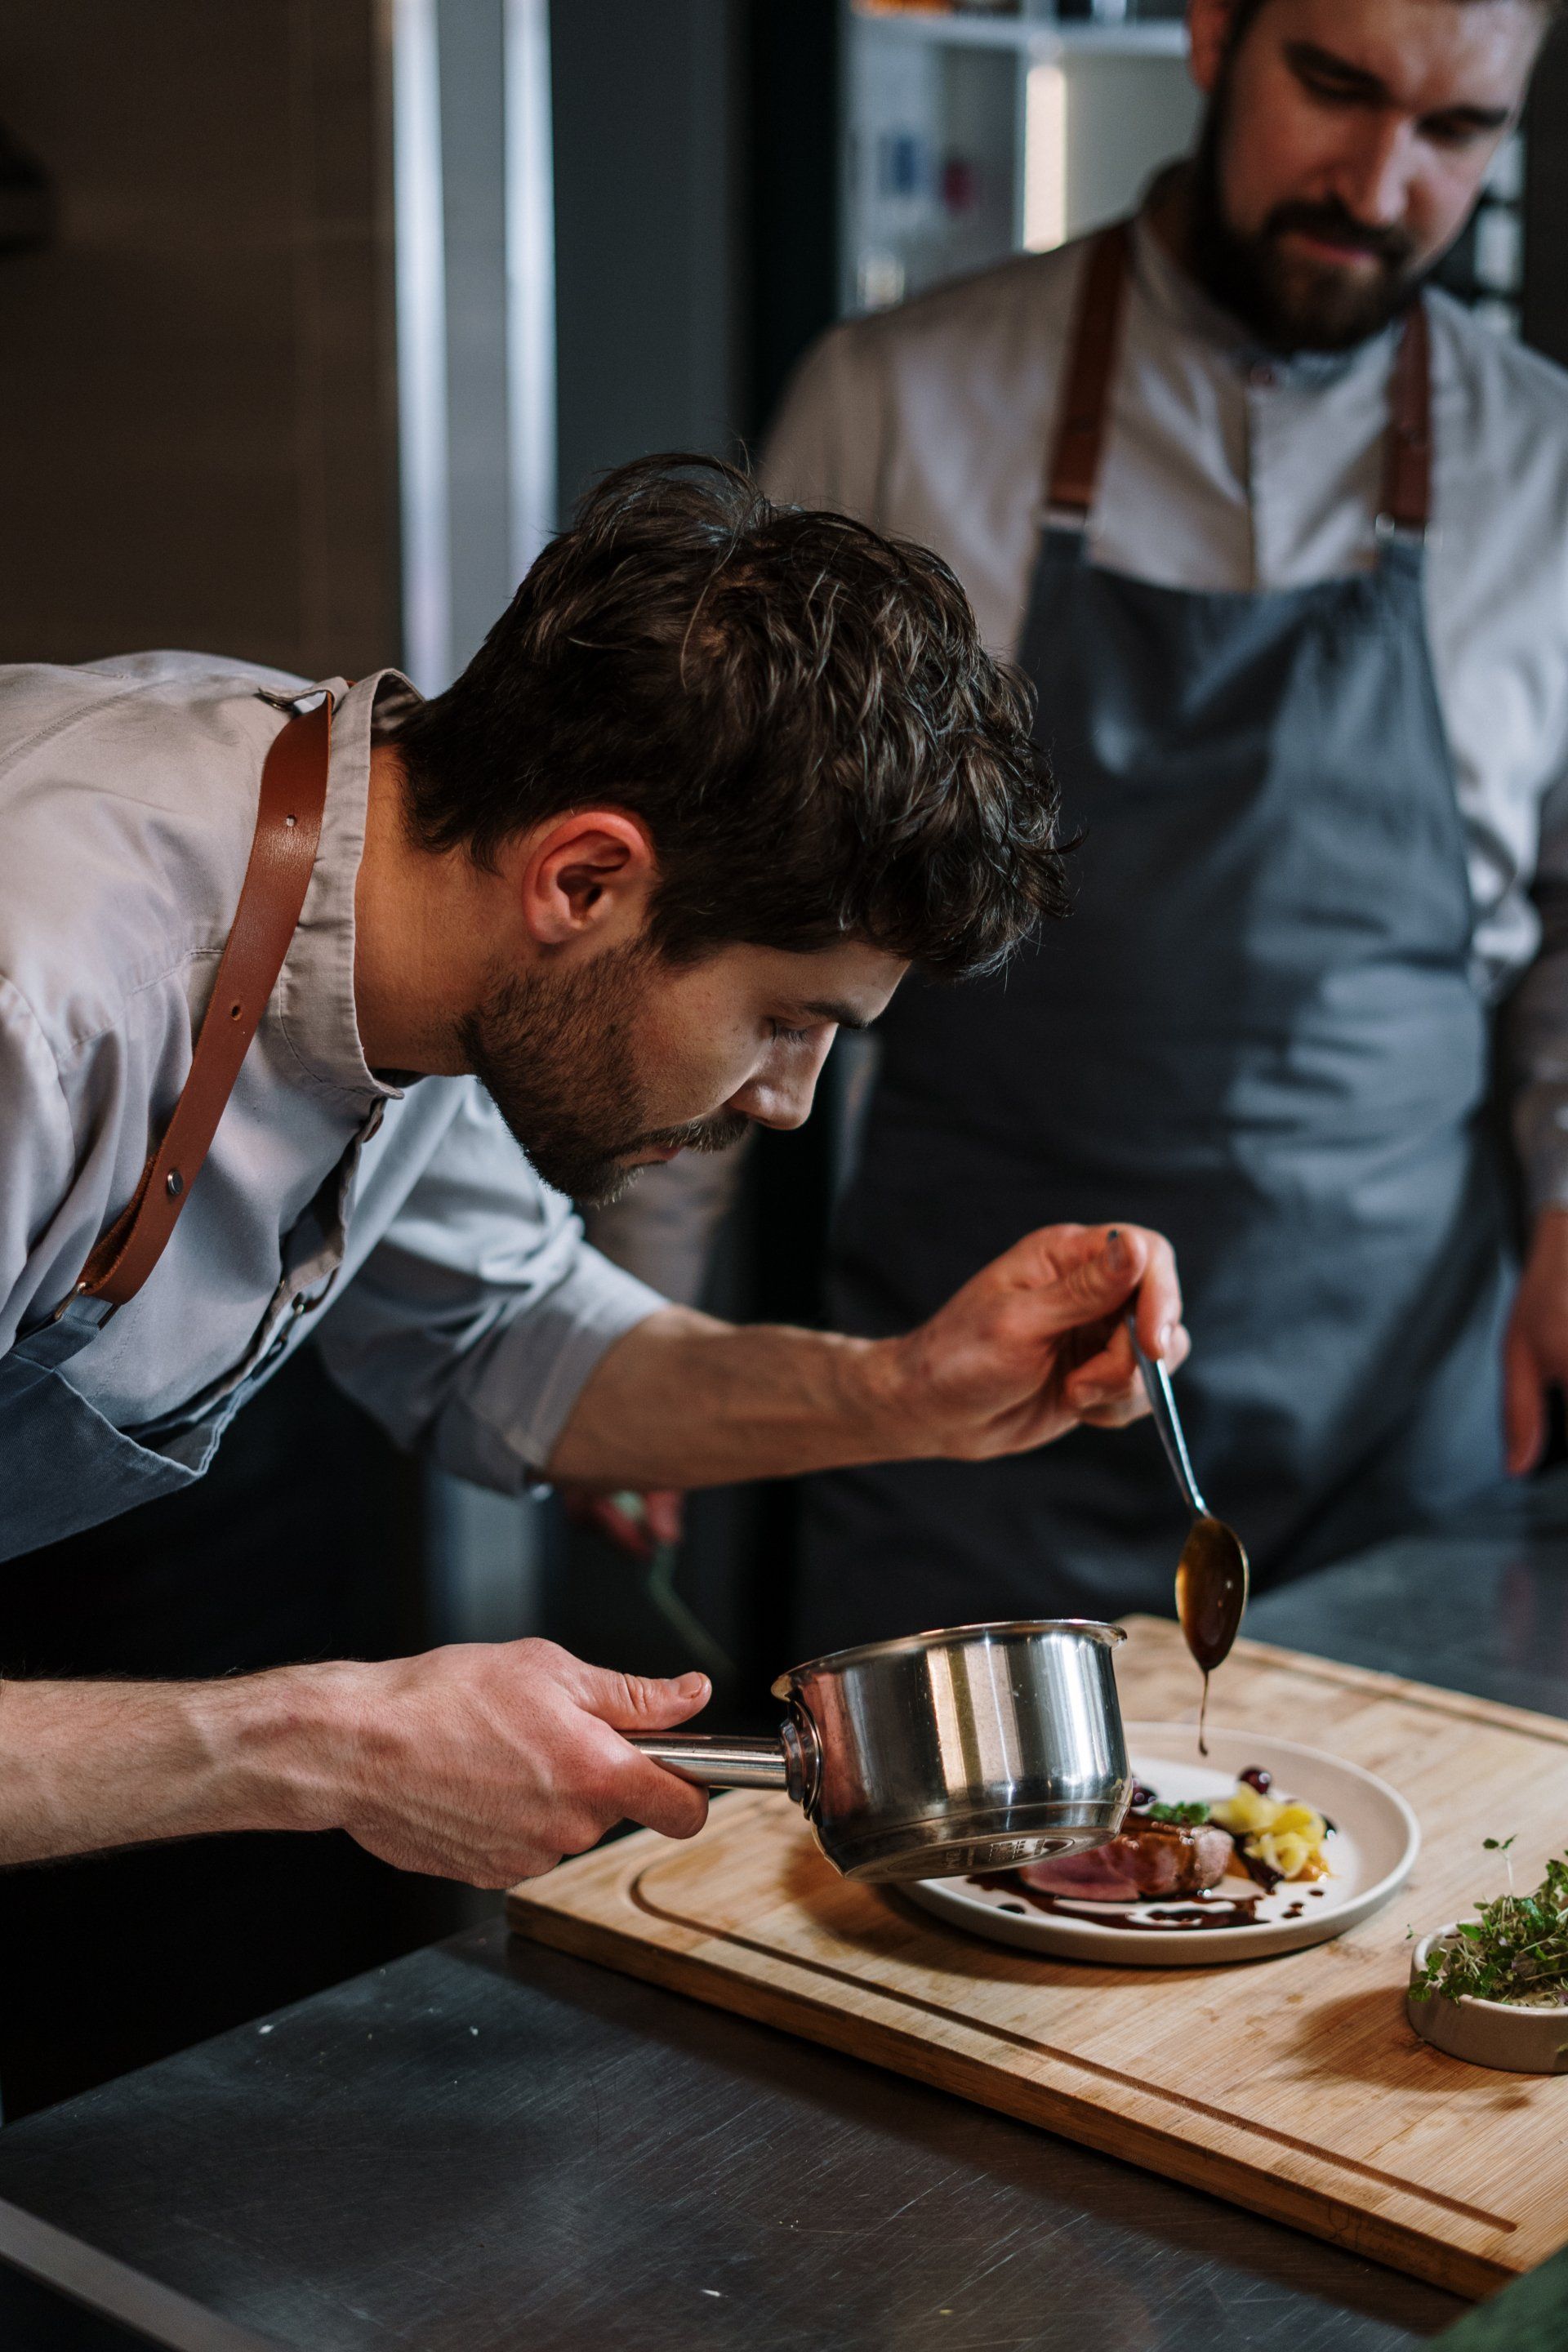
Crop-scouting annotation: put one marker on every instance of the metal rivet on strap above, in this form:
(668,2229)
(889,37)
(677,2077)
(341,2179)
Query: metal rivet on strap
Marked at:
(173,1184)
(290,820)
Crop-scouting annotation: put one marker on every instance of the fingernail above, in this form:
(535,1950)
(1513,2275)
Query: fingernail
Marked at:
(690,1685)
(1115,1250)
(1164,1338)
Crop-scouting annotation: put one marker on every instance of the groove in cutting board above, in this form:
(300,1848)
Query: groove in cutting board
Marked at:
(637,1890)
(1293,2085)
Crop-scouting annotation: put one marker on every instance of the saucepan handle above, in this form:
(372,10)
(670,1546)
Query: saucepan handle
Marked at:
(718,1763)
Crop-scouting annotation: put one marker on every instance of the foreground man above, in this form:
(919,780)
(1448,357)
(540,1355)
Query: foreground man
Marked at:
(717,776)
(1307,743)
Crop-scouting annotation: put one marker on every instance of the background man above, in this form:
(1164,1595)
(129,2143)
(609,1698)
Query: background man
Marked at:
(716,777)
(1185,476)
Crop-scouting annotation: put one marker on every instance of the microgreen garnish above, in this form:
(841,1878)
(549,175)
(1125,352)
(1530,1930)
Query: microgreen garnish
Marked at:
(1516,1948)
(1185,1817)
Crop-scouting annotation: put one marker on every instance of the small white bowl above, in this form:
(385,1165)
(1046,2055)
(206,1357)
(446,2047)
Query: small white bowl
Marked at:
(1500,2034)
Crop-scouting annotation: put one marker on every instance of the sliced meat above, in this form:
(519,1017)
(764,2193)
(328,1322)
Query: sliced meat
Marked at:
(1147,1858)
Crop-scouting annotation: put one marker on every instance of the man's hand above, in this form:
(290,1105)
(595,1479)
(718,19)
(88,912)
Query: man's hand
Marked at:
(639,1525)
(485,1763)
(488,1762)
(1535,1352)
(1037,1342)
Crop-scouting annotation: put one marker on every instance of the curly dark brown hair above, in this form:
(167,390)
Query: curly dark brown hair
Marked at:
(799,708)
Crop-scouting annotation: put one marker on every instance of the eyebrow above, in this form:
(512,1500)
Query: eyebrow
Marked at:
(843,1015)
(1308,58)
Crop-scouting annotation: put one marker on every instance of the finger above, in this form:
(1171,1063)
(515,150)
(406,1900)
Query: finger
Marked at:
(656,1799)
(1117,1413)
(1524,1408)
(1111,1377)
(665,1513)
(1077,1274)
(633,1536)
(1159,1294)
(618,1518)
(640,1702)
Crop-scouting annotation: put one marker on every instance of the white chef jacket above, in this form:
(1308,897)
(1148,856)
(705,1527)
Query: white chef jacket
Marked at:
(453,1292)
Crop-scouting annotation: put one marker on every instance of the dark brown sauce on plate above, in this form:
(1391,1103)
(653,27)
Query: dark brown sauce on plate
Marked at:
(1192,1914)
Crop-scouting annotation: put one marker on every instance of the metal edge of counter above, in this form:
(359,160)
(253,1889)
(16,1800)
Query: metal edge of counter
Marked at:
(112,2291)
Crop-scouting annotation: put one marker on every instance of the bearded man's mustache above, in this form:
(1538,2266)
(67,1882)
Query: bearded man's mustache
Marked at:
(715,1134)
(1389,245)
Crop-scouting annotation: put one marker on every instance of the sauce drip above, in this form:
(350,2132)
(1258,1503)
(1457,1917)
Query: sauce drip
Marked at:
(1211,1594)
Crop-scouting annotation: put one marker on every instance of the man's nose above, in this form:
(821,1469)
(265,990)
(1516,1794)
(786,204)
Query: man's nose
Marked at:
(1372,180)
(783,1097)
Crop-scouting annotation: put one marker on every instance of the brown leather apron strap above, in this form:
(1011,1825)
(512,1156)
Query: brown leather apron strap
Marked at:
(1080,430)
(1407,452)
(282,858)
(1074,474)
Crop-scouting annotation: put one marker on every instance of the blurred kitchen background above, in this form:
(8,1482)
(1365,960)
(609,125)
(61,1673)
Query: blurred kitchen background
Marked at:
(317,315)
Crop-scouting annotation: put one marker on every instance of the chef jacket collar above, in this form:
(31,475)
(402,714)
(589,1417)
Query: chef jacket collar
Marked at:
(1180,299)
(315,1000)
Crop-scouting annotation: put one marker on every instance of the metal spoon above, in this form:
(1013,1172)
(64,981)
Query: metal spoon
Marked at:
(1212,1574)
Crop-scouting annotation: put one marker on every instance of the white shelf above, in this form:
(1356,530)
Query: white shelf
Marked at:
(1034,36)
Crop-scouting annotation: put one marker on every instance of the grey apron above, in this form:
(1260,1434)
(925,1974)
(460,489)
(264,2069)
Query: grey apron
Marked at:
(63,1466)
(1258,1032)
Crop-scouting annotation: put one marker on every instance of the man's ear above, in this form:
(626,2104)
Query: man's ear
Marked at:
(587,877)
(1209,26)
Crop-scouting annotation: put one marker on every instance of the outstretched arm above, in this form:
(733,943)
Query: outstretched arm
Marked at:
(1029,1348)
(483,1762)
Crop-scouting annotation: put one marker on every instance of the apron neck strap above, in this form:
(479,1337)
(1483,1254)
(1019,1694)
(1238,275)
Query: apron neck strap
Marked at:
(1074,474)
(282,858)
(1407,449)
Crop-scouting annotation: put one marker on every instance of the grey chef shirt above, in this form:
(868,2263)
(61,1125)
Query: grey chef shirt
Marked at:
(454,1293)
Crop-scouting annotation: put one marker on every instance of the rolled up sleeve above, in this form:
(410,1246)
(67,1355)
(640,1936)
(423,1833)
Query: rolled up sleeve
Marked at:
(471,1327)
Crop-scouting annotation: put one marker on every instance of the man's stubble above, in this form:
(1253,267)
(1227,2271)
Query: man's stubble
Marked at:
(557,1053)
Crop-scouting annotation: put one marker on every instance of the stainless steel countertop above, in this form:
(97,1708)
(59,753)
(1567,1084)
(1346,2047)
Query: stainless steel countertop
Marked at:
(488,2145)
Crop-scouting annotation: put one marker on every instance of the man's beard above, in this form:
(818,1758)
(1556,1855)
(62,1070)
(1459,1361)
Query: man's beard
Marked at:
(556,1057)
(1287,305)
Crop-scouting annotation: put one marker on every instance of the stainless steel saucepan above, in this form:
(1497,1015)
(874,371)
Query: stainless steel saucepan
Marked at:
(941,1754)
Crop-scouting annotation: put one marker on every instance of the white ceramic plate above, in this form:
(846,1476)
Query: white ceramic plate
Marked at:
(1374,1843)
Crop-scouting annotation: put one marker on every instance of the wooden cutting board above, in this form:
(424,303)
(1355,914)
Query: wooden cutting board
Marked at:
(1292,2085)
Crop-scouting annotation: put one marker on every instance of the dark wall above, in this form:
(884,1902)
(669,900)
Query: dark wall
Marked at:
(649,228)
(792,115)
(696,192)
(196,402)
(1545,319)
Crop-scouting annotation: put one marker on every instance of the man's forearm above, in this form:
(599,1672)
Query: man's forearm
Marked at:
(484,1761)
(1030,1347)
(86,1766)
(685,1400)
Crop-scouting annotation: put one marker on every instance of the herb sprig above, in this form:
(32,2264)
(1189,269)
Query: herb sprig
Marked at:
(1185,1817)
(1515,1949)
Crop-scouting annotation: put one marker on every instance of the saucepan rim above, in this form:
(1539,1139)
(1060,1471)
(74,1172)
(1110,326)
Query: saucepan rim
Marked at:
(907,1645)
